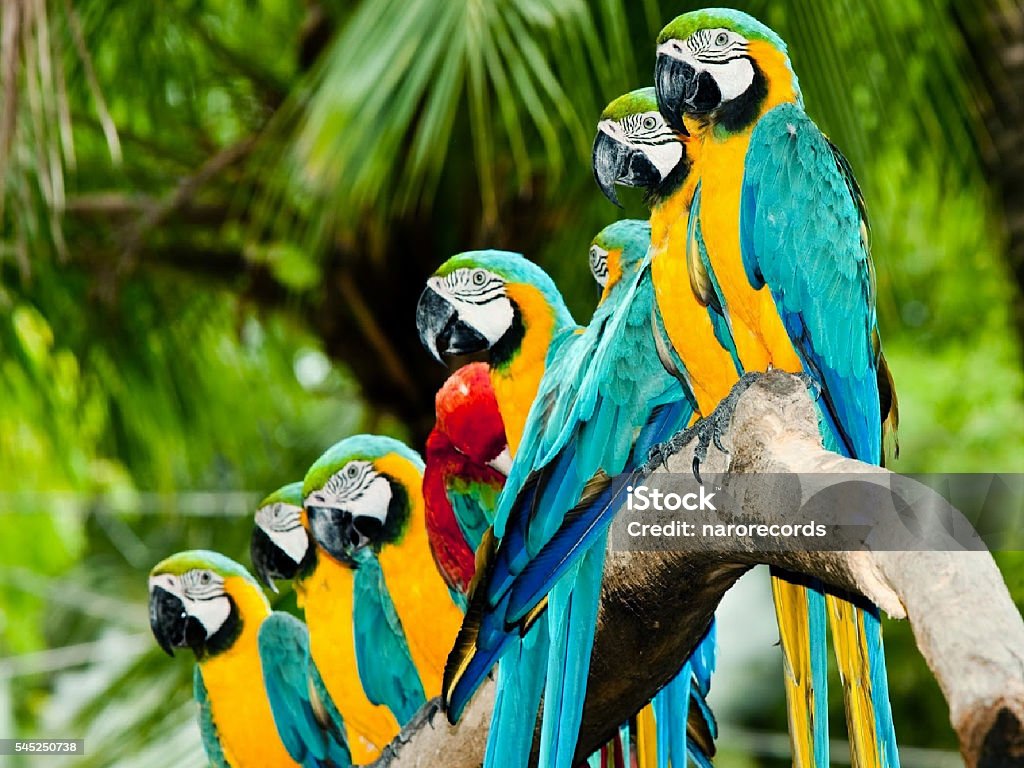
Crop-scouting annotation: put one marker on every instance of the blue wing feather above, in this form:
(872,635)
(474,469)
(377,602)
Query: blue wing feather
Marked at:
(386,668)
(803,236)
(307,721)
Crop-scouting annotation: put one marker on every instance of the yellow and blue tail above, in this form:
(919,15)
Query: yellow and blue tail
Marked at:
(801,616)
(857,633)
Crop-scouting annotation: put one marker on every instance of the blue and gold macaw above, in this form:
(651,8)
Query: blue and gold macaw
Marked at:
(261,699)
(778,240)
(364,501)
(622,389)
(501,303)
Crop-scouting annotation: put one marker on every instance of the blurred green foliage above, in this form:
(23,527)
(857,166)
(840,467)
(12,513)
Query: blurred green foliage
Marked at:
(188,180)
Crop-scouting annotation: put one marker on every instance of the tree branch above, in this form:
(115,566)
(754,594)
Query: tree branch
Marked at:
(656,606)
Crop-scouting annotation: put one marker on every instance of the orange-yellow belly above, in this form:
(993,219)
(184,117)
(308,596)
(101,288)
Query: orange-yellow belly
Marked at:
(240,709)
(709,366)
(514,394)
(429,617)
(761,340)
(326,596)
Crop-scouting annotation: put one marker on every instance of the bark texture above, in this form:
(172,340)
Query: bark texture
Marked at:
(656,606)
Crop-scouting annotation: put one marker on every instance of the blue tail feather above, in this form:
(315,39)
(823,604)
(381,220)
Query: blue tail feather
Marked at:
(885,732)
(572,618)
(517,700)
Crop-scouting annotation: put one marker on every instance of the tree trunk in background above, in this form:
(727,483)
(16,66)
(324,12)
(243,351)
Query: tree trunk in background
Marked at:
(993,31)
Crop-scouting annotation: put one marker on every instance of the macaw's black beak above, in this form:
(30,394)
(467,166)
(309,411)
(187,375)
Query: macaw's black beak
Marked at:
(172,626)
(609,158)
(682,90)
(615,163)
(270,561)
(334,531)
(441,330)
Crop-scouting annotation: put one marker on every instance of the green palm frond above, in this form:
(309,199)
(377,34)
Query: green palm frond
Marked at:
(409,89)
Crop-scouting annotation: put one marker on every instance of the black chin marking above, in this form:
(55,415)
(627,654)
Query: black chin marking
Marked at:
(505,348)
(672,182)
(397,519)
(745,109)
(228,632)
(367,528)
(195,636)
(641,172)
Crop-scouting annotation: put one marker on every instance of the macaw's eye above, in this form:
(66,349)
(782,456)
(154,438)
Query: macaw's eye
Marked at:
(650,123)
(204,577)
(352,470)
(721,39)
(479,277)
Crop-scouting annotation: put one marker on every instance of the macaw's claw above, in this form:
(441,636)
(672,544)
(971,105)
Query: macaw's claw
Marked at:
(424,716)
(707,432)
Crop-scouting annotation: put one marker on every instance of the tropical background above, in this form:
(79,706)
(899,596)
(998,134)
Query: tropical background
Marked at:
(216,219)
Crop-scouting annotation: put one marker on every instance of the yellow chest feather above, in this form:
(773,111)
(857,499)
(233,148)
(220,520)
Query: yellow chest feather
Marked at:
(515,384)
(429,617)
(238,704)
(326,596)
(761,339)
(709,366)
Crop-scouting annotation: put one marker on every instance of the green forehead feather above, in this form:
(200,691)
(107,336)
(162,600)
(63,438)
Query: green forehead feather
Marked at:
(681,27)
(288,494)
(633,103)
(201,559)
(504,263)
(633,236)
(363,447)
(513,268)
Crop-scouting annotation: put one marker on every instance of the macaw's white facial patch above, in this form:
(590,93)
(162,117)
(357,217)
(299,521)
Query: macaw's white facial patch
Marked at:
(664,156)
(733,78)
(647,132)
(201,591)
(480,299)
(356,488)
(282,522)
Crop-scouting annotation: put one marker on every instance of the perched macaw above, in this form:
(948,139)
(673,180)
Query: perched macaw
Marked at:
(778,241)
(262,703)
(364,499)
(635,147)
(630,150)
(499,302)
(466,459)
(282,548)
(571,612)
